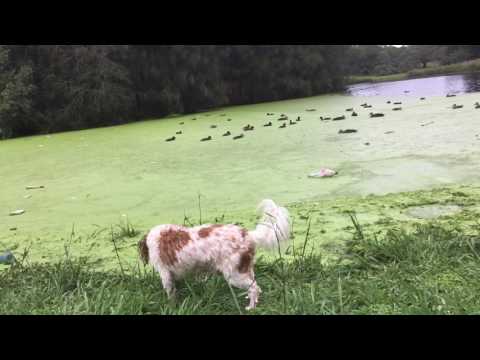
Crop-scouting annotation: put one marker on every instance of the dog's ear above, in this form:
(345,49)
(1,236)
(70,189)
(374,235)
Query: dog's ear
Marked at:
(143,250)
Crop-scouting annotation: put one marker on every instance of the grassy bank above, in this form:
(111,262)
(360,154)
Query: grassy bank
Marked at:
(460,68)
(428,270)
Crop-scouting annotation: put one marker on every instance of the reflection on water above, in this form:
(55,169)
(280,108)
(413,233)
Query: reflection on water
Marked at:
(432,86)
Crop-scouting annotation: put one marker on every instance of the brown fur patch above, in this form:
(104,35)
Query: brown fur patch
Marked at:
(244,233)
(143,250)
(206,231)
(246,260)
(170,243)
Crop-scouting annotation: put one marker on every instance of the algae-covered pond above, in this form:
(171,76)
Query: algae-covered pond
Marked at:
(93,178)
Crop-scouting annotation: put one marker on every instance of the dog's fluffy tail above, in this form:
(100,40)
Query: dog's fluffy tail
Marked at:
(274,228)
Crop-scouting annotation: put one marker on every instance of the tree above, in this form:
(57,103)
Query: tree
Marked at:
(16,98)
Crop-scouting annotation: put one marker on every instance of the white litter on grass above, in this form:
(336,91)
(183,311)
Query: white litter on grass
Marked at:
(17,212)
(322,173)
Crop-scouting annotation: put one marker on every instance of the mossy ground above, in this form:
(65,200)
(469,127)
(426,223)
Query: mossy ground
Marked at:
(99,178)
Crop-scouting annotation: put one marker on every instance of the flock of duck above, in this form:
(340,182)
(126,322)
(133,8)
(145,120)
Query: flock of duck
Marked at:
(286,120)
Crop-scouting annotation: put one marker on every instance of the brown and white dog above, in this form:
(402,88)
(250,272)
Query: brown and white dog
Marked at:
(229,249)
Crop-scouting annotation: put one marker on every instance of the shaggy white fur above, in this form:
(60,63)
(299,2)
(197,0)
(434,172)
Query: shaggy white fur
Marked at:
(229,249)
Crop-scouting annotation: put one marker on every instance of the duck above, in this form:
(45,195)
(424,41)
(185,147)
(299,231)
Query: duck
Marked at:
(397,103)
(375,115)
(451,95)
(477,105)
(325,119)
(422,98)
(270,114)
(182,123)
(238,137)
(389,102)
(248,128)
(228,133)
(367,106)
(268,124)
(349,110)
(354,114)
(397,109)
(179,133)
(293,122)
(339,118)
(283,126)
(194,119)
(348,131)
(298,119)
(206,139)
(455,106)
(311,110)
(213,126)
(173,138)
(283,118)
(229,119)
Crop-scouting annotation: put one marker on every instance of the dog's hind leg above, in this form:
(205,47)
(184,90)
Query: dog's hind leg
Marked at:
(167,282)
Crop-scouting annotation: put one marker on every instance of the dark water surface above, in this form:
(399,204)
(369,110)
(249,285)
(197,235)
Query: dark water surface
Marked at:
(431,86)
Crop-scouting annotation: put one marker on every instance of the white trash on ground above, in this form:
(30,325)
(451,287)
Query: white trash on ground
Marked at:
(322,173)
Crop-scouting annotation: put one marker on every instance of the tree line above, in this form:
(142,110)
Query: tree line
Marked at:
(52,88)
(387,60)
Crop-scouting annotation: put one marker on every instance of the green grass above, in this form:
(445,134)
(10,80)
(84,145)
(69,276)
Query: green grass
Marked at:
(431,269)
(356,79)
(460,68)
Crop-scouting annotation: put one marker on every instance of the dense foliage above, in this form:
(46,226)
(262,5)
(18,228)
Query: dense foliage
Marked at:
(49,88)
(386,60)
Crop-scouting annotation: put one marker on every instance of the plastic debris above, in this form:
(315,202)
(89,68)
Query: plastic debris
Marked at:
(7,258)
(322,173)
